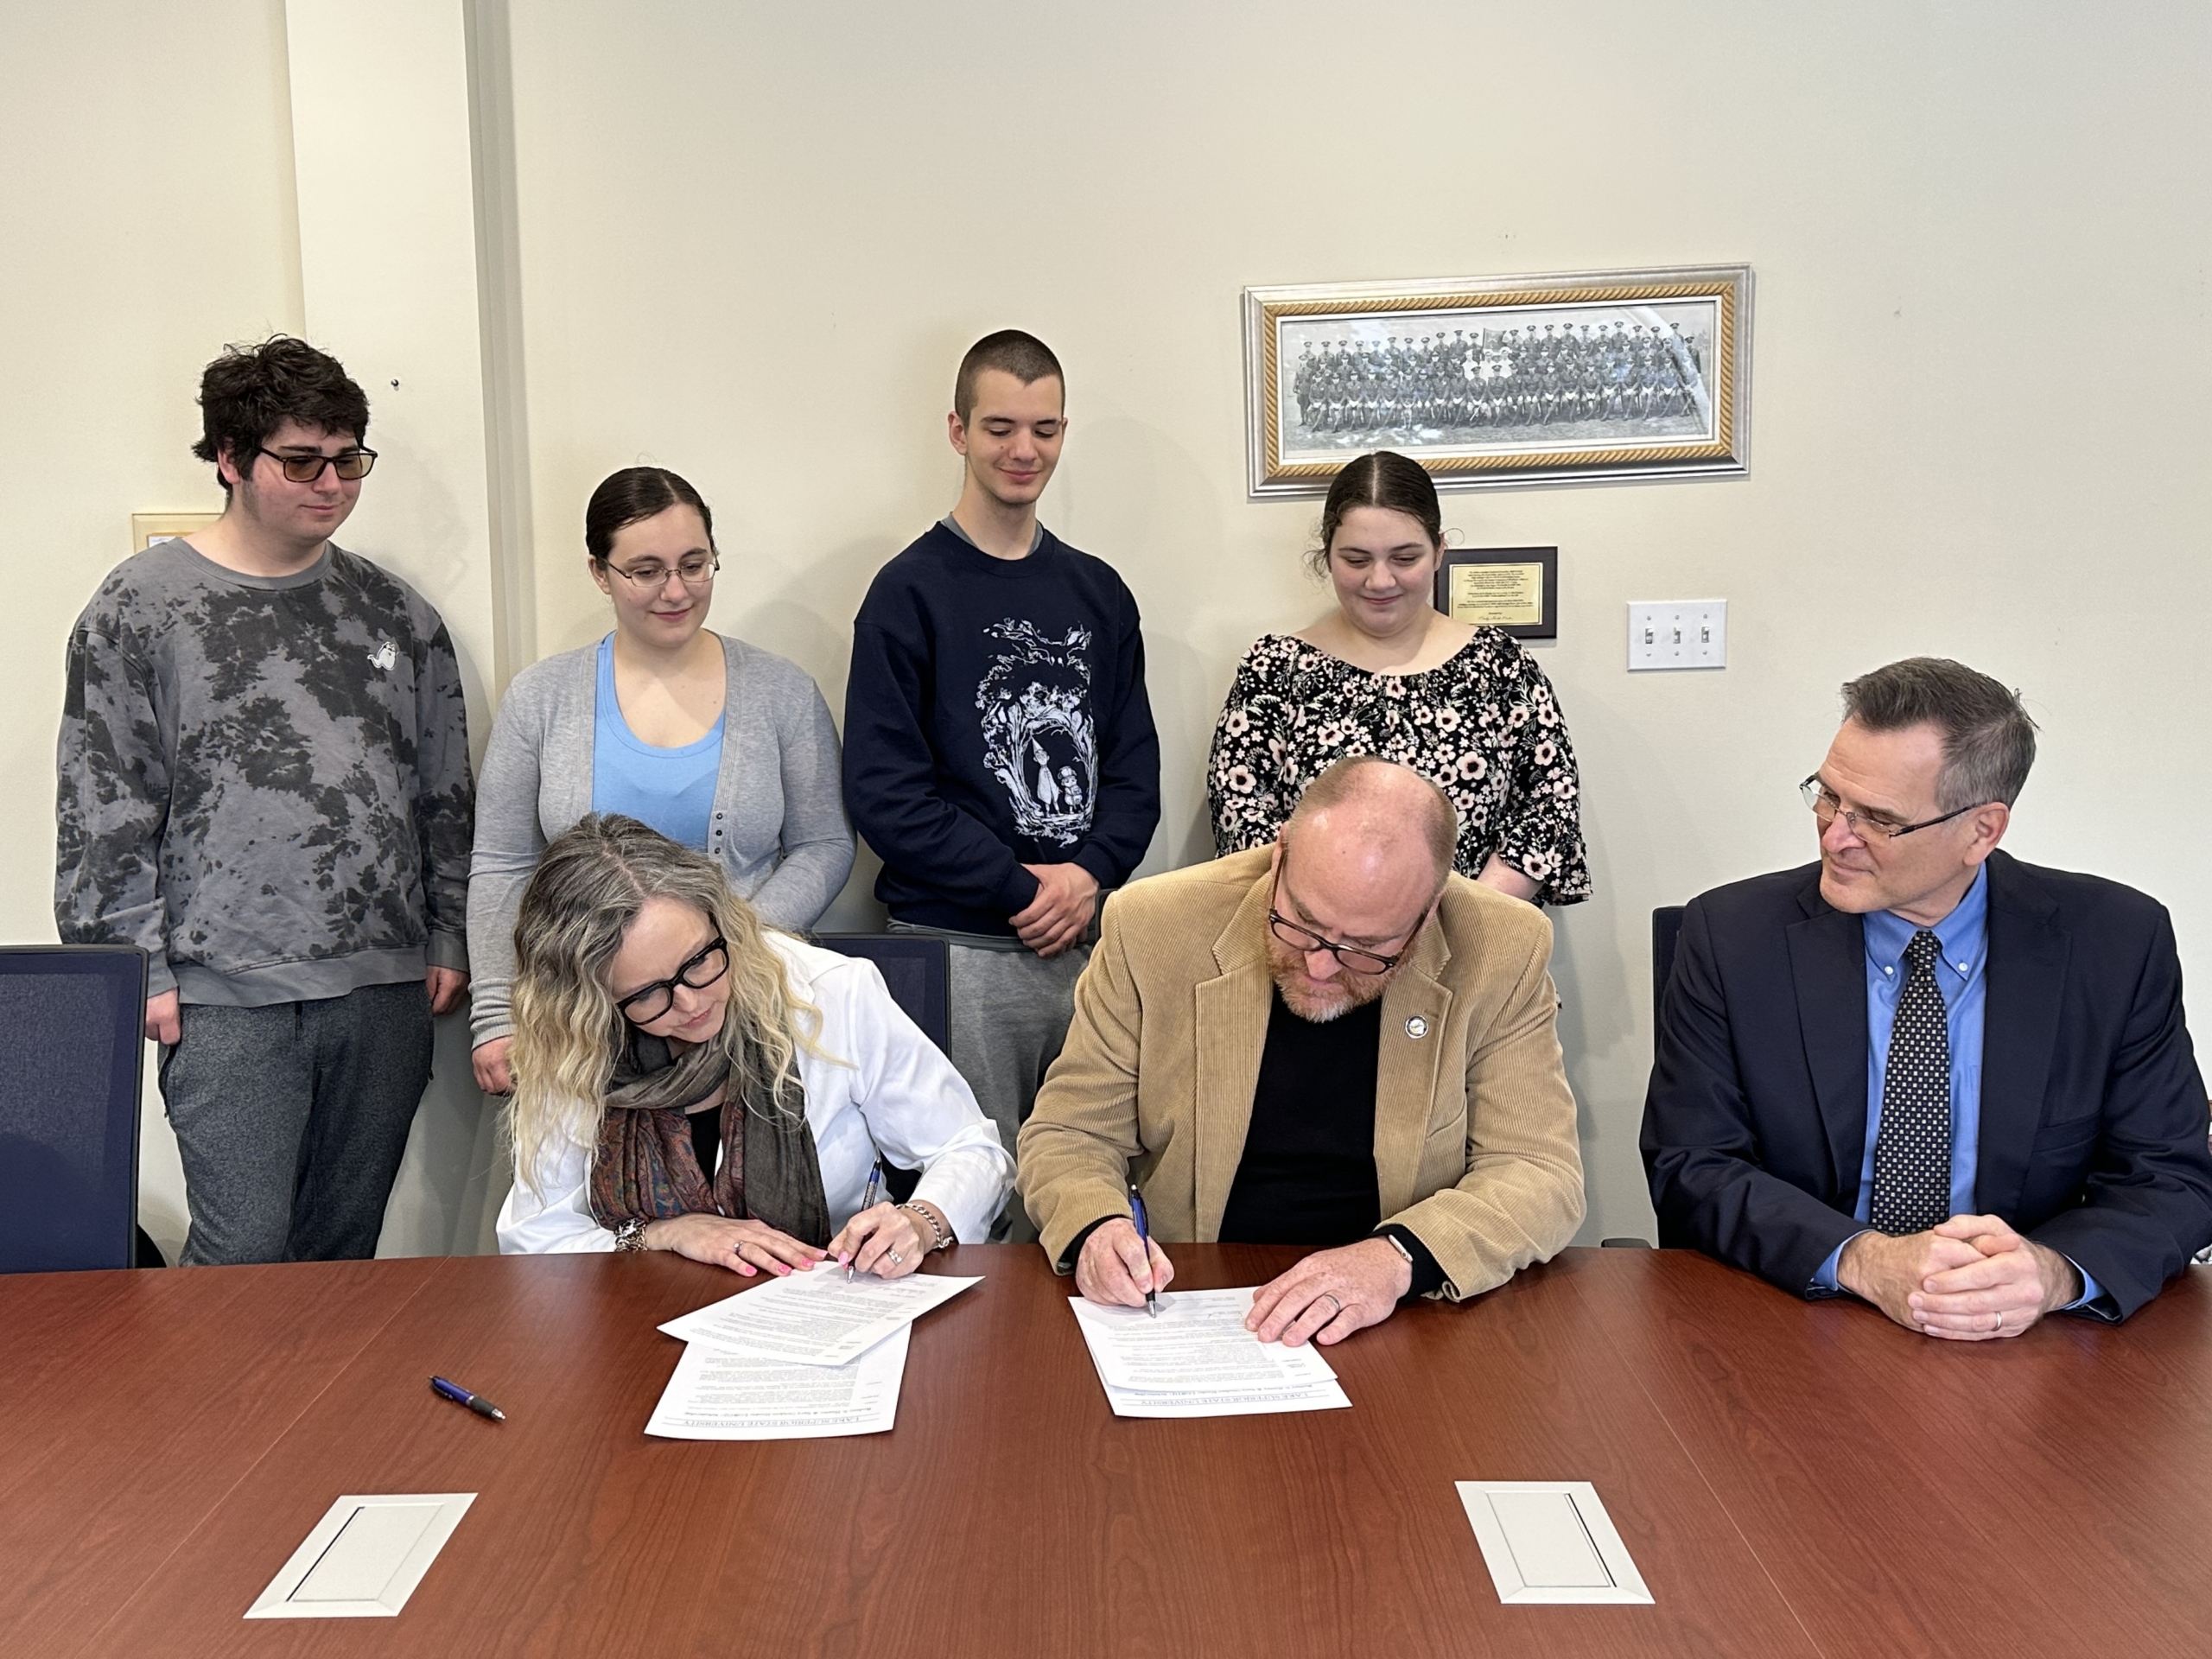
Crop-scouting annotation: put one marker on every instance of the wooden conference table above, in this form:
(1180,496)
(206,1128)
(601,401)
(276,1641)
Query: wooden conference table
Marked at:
(1790,1477)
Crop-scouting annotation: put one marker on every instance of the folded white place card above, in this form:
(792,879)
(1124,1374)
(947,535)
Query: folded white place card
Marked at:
(1550,1540)
(364,1558)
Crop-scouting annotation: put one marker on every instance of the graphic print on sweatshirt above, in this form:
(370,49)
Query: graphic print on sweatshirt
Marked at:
(1038,738)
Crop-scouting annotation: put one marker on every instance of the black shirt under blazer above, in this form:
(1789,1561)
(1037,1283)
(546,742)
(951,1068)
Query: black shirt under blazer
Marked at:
(2092,1113)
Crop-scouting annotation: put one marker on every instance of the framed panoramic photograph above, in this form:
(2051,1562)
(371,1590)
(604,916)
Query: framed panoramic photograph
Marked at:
(1501,381)
(1515,589)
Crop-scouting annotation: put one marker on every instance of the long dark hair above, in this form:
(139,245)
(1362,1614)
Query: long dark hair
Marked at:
(633,493)
(1385,478)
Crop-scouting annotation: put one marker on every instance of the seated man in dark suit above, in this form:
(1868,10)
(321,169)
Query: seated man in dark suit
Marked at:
(1955,1084)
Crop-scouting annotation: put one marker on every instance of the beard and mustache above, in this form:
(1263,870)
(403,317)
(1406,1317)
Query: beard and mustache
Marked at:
(1320,1001)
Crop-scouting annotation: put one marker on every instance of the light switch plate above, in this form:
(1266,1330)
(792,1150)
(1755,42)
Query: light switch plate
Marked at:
(1550,1540)
(1677,633)
(364,1558)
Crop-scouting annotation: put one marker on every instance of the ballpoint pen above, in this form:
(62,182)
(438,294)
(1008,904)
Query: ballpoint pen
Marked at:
(867,1202)
(461,1396)
(1144,1243)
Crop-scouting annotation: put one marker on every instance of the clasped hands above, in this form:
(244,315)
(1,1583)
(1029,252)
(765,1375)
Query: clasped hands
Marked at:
(885,1241)
(1324,1298)
(1966,1280)
(1067,897)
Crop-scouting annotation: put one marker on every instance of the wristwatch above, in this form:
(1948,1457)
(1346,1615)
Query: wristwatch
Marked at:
(1399,1245)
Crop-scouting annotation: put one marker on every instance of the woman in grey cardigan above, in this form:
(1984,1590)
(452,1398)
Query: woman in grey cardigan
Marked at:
(718,745)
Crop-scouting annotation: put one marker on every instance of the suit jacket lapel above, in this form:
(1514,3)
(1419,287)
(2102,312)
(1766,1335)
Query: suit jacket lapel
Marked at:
(1406,1067)
(1827,967)
(2026,974)
(1231,1014)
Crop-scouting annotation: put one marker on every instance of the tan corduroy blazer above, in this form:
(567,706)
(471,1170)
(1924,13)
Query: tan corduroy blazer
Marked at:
(1475,1145)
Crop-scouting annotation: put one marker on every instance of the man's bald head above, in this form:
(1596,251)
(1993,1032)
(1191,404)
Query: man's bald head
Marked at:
(1389,811)
(1362,862)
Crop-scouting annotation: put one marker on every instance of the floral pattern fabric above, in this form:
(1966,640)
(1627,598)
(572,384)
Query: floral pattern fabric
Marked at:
(1485,725)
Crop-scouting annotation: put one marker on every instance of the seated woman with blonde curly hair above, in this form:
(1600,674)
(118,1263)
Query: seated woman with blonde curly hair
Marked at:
(688,1080)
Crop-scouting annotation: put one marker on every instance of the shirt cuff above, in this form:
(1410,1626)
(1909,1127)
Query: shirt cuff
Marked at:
(2091,1291)
(1428,1275)
(1824,1280)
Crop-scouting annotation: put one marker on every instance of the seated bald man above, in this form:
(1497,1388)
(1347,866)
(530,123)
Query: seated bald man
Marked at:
(1332,1041)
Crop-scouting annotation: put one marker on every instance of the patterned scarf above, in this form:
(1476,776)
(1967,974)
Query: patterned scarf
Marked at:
(646,1170)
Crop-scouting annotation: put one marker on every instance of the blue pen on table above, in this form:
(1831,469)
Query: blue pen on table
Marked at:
(1144,1243)
(867,1202)
(461,1396)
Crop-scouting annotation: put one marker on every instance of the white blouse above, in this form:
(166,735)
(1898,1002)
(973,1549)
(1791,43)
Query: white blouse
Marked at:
(884,1085)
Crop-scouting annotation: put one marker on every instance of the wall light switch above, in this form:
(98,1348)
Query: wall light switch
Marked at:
(1678,634)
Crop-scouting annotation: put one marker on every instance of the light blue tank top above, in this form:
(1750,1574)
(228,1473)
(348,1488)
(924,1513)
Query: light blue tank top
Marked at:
(672,790)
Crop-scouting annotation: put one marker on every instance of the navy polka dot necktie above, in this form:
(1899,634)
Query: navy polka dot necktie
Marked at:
(1912,1155)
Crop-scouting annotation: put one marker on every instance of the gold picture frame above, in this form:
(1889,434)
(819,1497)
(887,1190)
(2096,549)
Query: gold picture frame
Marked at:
(1502,380)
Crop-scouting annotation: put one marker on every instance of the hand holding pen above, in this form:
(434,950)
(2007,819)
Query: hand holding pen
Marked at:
(1120,1267)
(884,1239)
(867,1202)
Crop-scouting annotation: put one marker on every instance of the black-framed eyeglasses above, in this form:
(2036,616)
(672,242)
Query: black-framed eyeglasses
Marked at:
(1349,957)
(348,464)
(648,1003)
(1827,808)
(697,571)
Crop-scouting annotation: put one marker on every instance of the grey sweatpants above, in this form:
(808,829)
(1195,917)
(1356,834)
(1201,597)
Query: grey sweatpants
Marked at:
(291,1120)
(1009,1012)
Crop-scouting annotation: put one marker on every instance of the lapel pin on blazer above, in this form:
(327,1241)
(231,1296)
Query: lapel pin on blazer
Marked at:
(1417,1028)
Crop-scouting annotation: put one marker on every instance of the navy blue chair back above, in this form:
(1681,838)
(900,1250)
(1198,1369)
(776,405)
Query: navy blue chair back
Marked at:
(72,1047)
(917,969)
(916,966)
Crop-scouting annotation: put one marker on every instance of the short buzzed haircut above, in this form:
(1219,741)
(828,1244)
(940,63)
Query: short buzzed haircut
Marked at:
(1351,778)
(250,391)
(1989,742)
(1025,357)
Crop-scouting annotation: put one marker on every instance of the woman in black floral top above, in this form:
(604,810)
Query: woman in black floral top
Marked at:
(1387,673)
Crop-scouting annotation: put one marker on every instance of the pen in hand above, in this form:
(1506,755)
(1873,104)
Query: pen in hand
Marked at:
(867,1202)
(461,1396)
(1144,1243)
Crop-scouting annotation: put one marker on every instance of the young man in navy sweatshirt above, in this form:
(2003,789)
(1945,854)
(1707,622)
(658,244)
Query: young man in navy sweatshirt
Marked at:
(999,754)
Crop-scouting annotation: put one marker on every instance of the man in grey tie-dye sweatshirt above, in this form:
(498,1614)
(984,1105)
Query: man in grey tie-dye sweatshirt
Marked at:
(265,783)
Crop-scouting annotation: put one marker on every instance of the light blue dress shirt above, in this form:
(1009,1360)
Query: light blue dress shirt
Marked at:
(1961,974)
(672,790)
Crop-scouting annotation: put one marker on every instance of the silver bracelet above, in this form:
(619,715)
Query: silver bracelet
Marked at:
(938,1237)
(631,1236)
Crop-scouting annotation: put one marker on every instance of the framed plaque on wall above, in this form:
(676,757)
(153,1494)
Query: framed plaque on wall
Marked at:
(1513,588)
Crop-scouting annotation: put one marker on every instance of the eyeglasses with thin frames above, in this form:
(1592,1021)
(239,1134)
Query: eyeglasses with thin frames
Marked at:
(648,1003)
(348,464)
(697,571)
(1826,808)
(1350,957)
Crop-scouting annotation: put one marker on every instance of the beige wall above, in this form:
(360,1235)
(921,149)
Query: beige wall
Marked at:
(752,240)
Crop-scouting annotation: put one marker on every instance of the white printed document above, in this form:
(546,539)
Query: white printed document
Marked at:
(716,1395)
(816,1318)
(1197,1360)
